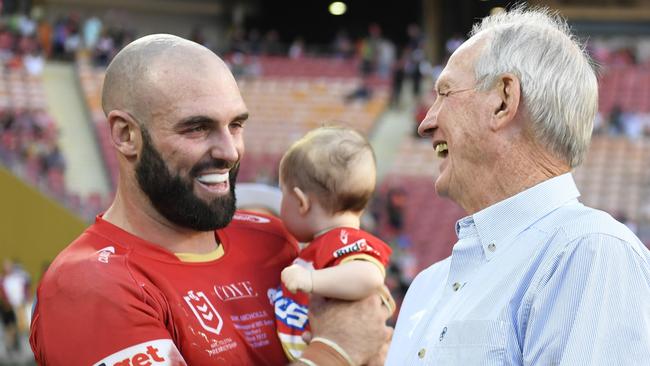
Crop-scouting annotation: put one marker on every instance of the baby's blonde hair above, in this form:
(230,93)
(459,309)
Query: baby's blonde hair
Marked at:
(336,164)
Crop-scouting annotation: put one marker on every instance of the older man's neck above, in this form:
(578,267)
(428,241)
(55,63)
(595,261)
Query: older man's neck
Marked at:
(522,169)
(528,168)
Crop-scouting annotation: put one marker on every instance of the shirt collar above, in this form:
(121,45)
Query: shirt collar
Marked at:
(498,224)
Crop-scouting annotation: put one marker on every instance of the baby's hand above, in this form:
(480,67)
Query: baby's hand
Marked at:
(297,278)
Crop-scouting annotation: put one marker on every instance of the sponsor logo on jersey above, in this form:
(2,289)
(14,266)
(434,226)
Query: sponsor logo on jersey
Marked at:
(344,236)
(160,352)
(105,253)
(204,311)
(235,291)
(288,311)
(358,246)
(251,218)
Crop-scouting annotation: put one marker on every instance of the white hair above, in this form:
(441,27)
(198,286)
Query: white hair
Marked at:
(558,82)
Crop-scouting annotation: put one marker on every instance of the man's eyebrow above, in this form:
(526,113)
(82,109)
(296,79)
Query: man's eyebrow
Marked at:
(193,121)
(241,117)
(441,85)
(200,119)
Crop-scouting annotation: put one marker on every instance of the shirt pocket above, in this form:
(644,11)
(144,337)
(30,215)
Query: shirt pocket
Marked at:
(471,342)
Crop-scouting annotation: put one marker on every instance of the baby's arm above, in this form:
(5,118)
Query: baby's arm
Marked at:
(351,280)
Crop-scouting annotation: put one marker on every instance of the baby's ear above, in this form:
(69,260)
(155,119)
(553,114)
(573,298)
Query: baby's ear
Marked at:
(303,199)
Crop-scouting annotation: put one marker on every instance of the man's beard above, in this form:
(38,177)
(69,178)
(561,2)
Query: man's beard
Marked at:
(173,196)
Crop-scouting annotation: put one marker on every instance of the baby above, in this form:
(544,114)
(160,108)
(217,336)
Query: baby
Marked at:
(327,179)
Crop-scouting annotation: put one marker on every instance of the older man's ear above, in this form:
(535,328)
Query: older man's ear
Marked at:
(505,97)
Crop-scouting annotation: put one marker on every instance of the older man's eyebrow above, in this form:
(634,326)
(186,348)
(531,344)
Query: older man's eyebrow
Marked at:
(441,84)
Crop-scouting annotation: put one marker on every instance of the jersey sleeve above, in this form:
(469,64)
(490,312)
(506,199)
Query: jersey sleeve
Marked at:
(89,314)
(344,245)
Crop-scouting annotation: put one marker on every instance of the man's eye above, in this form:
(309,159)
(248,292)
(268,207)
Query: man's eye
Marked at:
(196,129)
(237,125)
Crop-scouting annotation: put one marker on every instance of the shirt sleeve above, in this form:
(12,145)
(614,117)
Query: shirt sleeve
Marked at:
(593,307)
(100,318)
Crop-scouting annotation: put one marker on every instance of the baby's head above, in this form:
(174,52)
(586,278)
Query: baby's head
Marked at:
(333,166)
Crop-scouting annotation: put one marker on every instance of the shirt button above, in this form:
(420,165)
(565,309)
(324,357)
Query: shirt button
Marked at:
(422,352)
(456,286)
(492,247)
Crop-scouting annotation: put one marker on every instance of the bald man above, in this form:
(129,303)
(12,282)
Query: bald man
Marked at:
(171,274)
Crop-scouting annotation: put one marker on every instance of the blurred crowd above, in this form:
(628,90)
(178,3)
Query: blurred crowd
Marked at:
(631,124)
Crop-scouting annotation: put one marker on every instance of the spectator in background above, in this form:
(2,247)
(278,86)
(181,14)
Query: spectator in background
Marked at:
(254,42)
(297,48)
(615,123)
(416,58)
(397,81)
(342,46)
(16,287)
(92,30)
(385,58)
(271,44)
(104,49)
(44,34)
(369,50)
(9,320)
(396,201)
(59,37)
(34,61)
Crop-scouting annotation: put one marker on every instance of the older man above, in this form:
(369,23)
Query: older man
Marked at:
(536,278)
(170,274)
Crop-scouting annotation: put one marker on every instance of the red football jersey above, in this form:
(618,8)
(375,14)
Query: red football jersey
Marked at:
(330,249)
(113,299)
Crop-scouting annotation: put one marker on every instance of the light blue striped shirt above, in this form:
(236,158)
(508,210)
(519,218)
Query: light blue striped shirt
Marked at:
(536,279)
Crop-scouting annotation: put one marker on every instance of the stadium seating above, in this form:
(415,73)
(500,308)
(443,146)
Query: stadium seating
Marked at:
(28,147)
(91,80)
(626,86)
(615,176)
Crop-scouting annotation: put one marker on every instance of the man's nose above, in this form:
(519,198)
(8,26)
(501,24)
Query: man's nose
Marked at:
(225,146)
(429,123)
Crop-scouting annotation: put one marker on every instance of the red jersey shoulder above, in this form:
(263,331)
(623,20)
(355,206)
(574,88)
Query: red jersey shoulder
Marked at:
(88,263)
(249,221)
(339,243)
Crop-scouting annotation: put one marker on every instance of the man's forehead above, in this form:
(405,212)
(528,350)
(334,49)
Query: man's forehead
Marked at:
(461,63)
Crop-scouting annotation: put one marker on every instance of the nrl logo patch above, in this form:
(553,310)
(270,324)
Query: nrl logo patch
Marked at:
(204,311)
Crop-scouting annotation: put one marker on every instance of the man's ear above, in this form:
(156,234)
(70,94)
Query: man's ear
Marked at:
(303,200)
(507,96)
(125,133)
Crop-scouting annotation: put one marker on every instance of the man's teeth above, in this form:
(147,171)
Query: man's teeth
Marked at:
(441,148)
(213,178)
